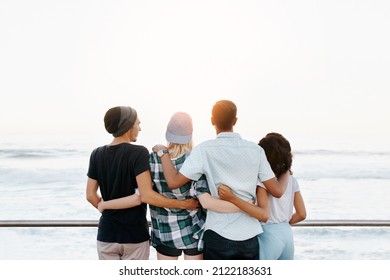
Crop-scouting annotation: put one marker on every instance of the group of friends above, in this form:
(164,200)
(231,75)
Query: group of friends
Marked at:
(224,199)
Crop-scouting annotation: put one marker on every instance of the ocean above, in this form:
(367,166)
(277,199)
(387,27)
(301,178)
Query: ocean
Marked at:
(45,180)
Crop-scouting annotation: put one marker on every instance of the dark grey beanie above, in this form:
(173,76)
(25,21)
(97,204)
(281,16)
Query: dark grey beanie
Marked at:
(118,120)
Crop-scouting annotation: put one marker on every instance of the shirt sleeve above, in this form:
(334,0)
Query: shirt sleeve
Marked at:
(295,184)
(193,166)
(260,184)
(142,162)
(92,166)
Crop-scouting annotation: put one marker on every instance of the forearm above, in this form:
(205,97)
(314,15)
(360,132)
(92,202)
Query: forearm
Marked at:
(277,187)
(252,210)
(217,205)
(173,178)
(156,199)
(91,192)
(149,196)
(94,200)
(122,203)
(259,211)
(283,182)
(300,209)
(296,218)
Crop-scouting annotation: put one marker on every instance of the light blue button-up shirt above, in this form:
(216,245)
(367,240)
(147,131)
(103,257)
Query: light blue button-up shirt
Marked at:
(237,163)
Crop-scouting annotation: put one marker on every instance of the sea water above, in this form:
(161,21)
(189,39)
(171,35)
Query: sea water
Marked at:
(42,180)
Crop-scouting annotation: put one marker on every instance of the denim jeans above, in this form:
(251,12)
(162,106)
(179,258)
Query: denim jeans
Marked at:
(217,247)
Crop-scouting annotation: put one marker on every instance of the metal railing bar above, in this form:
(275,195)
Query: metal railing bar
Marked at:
(344,223)
(94,223)
(48,223)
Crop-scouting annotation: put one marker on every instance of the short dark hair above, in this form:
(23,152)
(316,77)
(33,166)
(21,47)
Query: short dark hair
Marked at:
(278,152)
(224,114)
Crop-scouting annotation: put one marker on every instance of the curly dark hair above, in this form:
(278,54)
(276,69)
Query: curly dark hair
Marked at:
(278,152)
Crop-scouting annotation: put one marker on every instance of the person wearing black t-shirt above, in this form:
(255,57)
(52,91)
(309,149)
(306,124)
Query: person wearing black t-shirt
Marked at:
(117,170)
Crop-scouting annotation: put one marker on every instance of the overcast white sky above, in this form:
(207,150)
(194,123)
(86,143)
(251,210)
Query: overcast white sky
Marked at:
(312,70)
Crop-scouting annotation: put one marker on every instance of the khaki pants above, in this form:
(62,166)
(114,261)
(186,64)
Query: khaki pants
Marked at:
(127,251)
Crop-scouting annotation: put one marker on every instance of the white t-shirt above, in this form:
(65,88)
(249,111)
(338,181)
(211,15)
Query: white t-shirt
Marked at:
(282,209)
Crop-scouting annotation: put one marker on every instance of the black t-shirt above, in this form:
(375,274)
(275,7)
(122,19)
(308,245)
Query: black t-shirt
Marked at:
(116,168)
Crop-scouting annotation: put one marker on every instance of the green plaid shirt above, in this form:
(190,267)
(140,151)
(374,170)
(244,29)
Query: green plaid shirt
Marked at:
(176,228)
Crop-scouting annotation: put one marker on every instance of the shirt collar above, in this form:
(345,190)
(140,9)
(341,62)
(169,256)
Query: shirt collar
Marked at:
(228,135)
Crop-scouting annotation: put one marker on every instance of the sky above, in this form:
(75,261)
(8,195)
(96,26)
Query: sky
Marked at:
(316,71)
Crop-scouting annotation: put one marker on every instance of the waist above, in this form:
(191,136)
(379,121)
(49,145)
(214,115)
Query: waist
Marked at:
(276,226)
(231,225)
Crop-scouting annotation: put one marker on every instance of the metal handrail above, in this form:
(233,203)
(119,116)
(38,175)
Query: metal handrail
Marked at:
(94,223)
(343,223)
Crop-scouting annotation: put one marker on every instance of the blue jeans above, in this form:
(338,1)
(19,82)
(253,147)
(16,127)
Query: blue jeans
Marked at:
(217,247)
(276,242)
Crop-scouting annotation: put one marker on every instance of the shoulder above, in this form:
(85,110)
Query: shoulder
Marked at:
(253,148)
(98,151)
(206,144)
(142,150)
(135,152)
(294,182)
(136,148)
(250,144)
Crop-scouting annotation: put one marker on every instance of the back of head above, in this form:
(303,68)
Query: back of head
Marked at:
(179,129)
(278,152)
(224,114)
(118,120)
(179,134)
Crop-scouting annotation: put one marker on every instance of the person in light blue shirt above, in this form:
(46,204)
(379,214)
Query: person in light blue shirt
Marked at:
(235,162)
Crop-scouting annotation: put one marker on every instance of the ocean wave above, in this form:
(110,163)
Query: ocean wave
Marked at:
(325,152)
(20,177)
(348,175)
(52,164)
(32,153)
(348,165)
(55,152)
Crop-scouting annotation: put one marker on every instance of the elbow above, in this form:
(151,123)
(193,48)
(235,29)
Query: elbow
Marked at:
(93,199)
(277,194)
(264,218)
(173,185)
(147,197)
(90,198)
(265,215)
(302,215)
(278,191)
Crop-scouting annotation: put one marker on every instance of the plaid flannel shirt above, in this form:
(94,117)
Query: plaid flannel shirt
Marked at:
(176,228)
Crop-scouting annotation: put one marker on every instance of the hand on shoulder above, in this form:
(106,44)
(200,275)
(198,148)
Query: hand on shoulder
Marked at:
(158,147)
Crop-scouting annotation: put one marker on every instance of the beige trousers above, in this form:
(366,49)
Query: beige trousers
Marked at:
(127,251)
